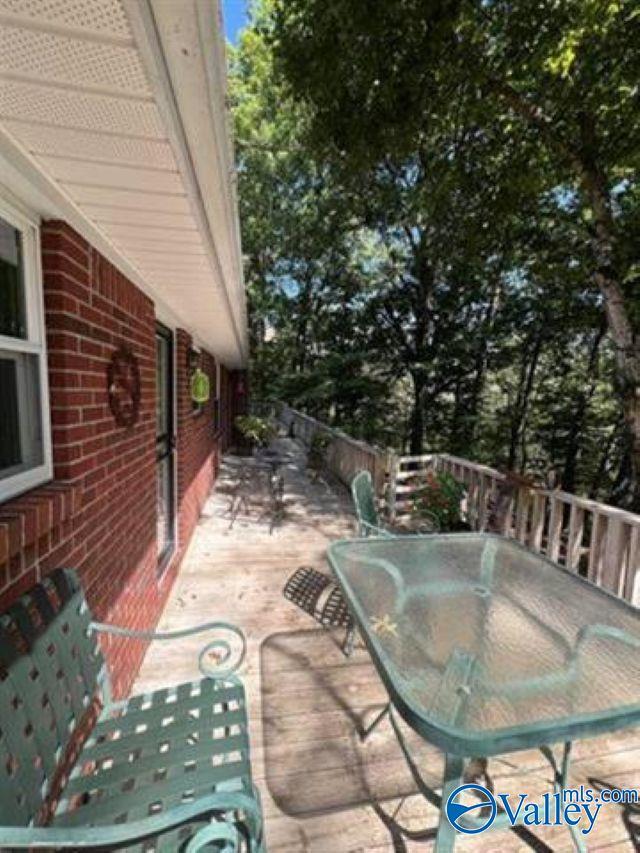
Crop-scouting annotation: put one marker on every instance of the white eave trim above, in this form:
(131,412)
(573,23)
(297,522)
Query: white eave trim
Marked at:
(147,19)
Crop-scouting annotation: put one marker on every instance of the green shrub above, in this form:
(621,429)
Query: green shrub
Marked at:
(317,449)
(256,430)
(439,495)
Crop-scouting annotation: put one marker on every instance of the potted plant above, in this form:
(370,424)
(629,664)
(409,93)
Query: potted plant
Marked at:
(317,450)
(439,497)
(256,432)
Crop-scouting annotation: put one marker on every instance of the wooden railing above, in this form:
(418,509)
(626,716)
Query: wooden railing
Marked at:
(344,456)
(599,541)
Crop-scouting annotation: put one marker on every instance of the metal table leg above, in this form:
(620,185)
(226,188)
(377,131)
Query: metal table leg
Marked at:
(375,723)
(560,783)
(453,778)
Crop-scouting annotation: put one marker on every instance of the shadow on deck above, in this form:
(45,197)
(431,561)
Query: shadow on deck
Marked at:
(323,790)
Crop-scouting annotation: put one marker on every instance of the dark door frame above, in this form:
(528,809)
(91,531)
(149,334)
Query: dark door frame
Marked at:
(166,445)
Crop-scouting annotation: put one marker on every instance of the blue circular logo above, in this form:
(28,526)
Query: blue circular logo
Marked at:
(456,810)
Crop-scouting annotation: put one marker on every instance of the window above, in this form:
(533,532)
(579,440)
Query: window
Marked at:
(25,451)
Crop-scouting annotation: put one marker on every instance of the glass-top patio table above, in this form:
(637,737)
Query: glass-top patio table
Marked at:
(485,647)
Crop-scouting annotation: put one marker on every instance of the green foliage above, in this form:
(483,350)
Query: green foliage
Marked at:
(256,430)
(320,442)
(439,496)
(419,232)
(317,450)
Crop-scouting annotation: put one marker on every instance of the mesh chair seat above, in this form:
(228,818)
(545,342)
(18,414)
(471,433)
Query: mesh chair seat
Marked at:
(319,596)
(160,750)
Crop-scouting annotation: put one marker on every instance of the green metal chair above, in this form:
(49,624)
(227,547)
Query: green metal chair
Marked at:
(167,771)
(364,502)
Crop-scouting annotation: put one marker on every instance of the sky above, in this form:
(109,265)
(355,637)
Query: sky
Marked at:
(234,14)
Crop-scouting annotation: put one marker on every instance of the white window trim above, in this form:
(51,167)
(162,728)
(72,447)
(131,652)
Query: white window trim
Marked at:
(35,344)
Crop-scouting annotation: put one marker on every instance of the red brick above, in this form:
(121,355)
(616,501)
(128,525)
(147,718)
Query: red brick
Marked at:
(65,416)
(64,397)
(92,348)
(104,521)
(55,301)
(4,543)
(92,413)
(62,342)
(69,280)
(20,586)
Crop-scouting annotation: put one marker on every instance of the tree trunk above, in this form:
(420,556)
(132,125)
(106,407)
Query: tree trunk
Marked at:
(626,339)
(480,365)
(596,482)
(416,422)
(528,369)
(623,334)
(579,416)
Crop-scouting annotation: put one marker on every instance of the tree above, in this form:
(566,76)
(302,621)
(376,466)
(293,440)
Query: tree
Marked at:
(299,249)
(560,79)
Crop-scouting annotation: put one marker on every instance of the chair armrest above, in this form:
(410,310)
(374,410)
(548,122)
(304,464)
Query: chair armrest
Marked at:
(221,646)
(87,837)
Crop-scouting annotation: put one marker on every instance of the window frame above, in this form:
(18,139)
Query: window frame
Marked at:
(33,344)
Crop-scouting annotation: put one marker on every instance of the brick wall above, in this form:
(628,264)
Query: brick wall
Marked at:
(198,441)
(99,515)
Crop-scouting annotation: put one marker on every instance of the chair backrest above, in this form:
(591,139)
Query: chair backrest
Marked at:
(51,670)
(364,501)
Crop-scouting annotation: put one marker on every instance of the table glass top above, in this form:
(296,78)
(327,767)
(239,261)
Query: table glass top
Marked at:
(475,635)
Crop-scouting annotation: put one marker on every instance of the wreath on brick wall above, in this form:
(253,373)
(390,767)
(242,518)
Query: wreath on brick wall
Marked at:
(123,384)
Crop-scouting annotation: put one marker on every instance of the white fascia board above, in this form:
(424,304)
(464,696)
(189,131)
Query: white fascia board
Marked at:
(173,49)
(215,61)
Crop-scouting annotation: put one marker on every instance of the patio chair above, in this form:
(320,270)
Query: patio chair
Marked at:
(369,524)
(316,593)
(167,770)
(319,596)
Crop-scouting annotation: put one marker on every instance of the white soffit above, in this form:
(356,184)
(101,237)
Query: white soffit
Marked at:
(115,109)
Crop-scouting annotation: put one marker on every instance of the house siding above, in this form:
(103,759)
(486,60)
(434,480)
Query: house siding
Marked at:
(99,514)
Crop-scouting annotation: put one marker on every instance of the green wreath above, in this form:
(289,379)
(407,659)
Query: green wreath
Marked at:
(200,388)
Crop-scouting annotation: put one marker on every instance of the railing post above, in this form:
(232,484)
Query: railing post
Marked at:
(614,553)
(633,565)
(538,521)
(523,504)
(555,529)
(547,521)
(574,542)
(598,534)
(392,464)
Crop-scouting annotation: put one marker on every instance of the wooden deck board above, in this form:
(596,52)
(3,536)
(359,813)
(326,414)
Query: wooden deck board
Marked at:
(323,790)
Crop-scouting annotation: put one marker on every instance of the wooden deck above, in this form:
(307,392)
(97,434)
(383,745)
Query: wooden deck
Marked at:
(322,790)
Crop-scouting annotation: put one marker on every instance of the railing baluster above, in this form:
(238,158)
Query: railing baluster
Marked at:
(538,519)
(612,564)
(574,542)
(633,565)
(598,537)
(523,506)
(555,529)
(614,538)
